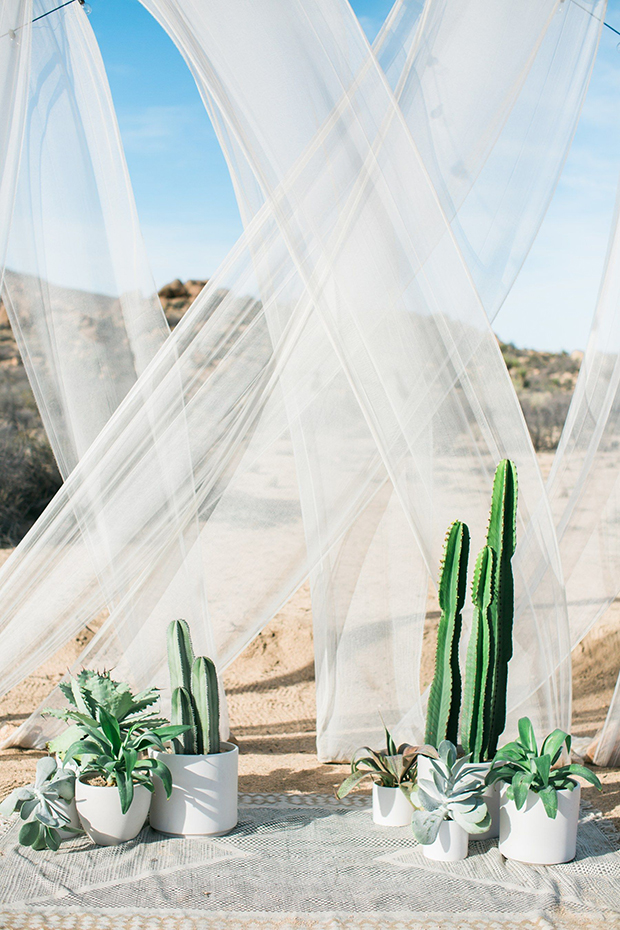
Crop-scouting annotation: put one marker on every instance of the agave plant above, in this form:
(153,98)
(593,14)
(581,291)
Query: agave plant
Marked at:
(106,750)
(43,805)
(524,768)
(455,793)
(91,690)
(391,769)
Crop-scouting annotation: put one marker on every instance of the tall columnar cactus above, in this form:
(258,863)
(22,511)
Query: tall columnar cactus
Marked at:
(476,717)
(502,538)
(444,699)
(195,697)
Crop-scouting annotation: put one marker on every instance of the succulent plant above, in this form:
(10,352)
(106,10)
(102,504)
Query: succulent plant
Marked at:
(195,699)
(391,769)
(524,768)
(90,690)
(43,805)
(444,701)
(455,793)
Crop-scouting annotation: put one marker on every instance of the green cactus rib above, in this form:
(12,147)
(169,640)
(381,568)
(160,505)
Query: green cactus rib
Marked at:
(476,718)
(206,704)
(444,699)
(182,713)
(502,538)
(180,655)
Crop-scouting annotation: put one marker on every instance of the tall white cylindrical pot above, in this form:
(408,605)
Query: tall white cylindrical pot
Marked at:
(490,795)
(529,835)
(204,793)
(390,807)
(99,810)
(451,845)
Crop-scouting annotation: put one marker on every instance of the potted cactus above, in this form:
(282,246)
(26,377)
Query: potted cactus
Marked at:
(483,695)
(393,776)
(204,770)
(450,807)
(539,800)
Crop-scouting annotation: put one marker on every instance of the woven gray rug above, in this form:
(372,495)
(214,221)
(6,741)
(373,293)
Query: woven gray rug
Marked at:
(303,862)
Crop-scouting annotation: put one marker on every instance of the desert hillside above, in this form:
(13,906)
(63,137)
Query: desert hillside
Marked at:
(544,382)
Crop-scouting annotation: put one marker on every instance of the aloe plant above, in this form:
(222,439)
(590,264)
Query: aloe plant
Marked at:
(195,699)
(43,805)
(455,793)
(393,768)
(525,769)
(444,701)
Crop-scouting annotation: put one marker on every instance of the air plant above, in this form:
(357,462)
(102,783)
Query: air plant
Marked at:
(394,768)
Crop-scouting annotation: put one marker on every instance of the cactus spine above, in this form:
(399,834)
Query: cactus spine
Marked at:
(502,538)
(195,697)
(444,699)
(476,719)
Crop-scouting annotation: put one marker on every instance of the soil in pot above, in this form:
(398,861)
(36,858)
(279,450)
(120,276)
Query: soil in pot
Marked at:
(529,835)
(204,793)
(390,807)
(99,810)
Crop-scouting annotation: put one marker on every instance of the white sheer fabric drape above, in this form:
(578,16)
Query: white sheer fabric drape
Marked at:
(379,231)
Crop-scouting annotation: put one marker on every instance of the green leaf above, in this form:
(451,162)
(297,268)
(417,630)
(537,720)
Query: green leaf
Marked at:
(543,767)
(156,767)
(553,745)
(526,735)
(351,782)
(520,786)
(52,838)
(549,798)
(111,729)
(583,772)
(125,789)
(29,833)
(390,744)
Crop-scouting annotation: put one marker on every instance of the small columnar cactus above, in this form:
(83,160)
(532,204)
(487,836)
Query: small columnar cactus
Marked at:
(444,701)
(195,696)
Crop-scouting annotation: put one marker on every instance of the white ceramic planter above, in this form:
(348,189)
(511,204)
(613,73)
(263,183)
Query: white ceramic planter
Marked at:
(99,810)
(204,794)
(490,795)
(451,845)
(390,807)
(529,835)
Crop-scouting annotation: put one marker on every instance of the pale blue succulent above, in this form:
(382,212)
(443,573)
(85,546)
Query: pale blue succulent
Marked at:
(43,805)
(455,793)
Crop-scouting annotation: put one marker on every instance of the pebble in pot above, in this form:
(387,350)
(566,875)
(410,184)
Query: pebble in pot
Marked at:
(539,803)
(204,771)
(392,771)
(449,807)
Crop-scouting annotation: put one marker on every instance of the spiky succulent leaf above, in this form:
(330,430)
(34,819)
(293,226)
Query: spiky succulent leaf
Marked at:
(206,703)
(180,655)
(182,714)
(476,718)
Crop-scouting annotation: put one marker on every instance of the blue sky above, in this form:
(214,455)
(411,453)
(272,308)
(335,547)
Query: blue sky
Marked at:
(190,219)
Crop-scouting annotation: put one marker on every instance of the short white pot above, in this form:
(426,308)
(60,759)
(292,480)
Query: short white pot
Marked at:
(204,793)
(99,810)
(451,844)
(490,796)
(529,835)
(390,807)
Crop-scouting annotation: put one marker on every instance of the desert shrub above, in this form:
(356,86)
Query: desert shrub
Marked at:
(29,478)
